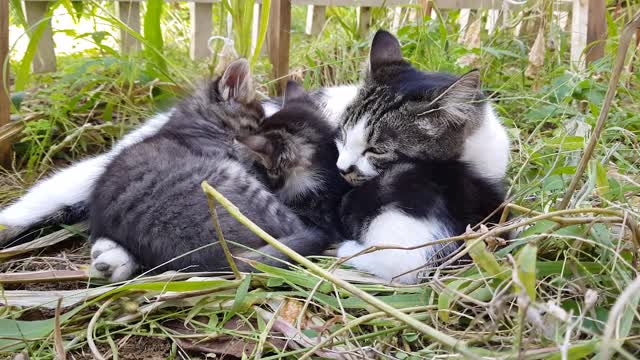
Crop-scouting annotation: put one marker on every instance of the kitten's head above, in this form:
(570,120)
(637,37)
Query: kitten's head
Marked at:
(235,98)
(401,112)
(292,143)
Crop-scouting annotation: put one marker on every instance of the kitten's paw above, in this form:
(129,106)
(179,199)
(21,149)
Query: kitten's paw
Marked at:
(111,261)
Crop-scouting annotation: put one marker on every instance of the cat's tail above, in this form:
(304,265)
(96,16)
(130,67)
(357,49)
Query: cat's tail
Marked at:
(308,242)
(58,199)
(15,234)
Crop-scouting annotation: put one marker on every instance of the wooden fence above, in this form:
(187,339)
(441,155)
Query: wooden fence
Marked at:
(588,26)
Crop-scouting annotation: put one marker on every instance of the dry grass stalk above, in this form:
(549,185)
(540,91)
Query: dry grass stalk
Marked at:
(444,339)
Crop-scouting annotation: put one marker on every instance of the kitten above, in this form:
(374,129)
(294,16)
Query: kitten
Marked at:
(408,139)
(296,147)
(148,208)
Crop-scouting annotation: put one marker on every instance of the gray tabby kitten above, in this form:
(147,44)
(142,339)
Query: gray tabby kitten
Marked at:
(148,208)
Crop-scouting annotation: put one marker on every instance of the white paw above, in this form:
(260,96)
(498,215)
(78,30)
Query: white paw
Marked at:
(111,261)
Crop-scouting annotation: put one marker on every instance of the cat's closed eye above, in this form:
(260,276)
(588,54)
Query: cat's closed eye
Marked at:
(374,151)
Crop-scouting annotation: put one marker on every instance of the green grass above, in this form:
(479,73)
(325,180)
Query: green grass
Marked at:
(566,282)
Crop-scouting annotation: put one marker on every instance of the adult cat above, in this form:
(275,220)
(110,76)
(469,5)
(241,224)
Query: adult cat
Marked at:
(417,145)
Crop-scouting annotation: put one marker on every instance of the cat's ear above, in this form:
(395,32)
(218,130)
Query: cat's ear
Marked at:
(465,88)
(293,91)
(236,82)
(455,104)
(385,48)
(260,147)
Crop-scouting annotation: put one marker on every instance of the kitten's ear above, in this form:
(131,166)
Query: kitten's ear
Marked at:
(385,48)
(293,91)
(236,82)
(465,88)
(260,147)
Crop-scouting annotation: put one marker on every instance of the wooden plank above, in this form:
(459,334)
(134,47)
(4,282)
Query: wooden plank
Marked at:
(442,4)
(596,30)
(463,21)
(279,41)
(45,58)
(425,9)
(397,17)
(201,15)
(129,13)
(579,20)
(5,148)
(492,20)
(43,276)
(364,21)
(316,17)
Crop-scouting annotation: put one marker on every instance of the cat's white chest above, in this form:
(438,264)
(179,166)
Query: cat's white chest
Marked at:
(396,228)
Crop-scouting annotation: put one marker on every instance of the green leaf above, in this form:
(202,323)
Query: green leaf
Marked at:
(240,302)
(294,277)
(15,334)
(579,351)
(445,298)
(35,33)
(602,183)
(262,31)
(410,336)
(154,45)
(275,282)
(485,259)
(16,5)
(526,265)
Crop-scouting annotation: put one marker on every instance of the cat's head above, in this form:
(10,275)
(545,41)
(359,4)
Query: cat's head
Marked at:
(234,95)
(293,142)
(401,112)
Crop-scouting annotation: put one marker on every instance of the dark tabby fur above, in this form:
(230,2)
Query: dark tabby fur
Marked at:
(149,199)
(296,147)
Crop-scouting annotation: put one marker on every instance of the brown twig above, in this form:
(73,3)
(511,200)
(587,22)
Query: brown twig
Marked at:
(92,324)
(623,47)
(57,334)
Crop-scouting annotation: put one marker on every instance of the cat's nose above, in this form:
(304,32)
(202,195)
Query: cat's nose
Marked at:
(348,170)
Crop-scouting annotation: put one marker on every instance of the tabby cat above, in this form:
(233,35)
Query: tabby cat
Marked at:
(148,208)
(410,140)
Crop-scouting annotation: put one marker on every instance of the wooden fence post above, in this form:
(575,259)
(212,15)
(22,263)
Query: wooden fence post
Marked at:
(596,30)
(279,40)
(364,21)
(129,13)
(579,19)
(316,16)
(201,16)
(426,6)
(5,147)
(45,59)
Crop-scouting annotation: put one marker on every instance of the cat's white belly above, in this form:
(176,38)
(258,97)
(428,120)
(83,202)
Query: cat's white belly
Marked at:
(395,228)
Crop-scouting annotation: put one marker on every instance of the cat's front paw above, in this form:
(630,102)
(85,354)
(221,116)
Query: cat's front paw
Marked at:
(111,261)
